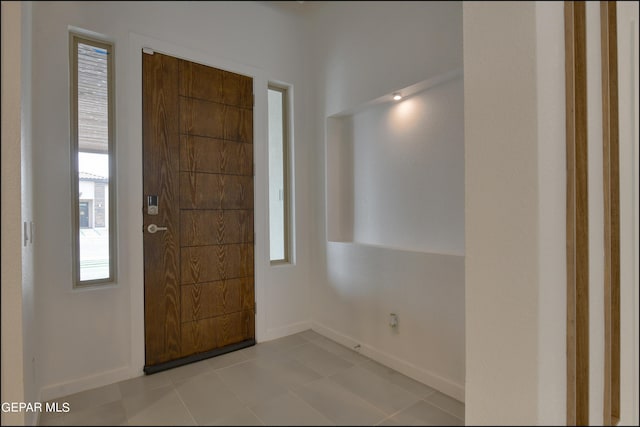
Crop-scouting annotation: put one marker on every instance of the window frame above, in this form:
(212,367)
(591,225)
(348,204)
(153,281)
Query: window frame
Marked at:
(286,166)
(74,39)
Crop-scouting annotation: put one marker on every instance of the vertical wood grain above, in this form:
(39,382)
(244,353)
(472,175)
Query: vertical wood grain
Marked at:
(203,335)
(215,191)
(209,227)
(161,149)
(204,300)
(199,336)
(212,84)
(570,207)
(577,216)
(216,202)
(214,120)
(216,262)
(210,155)
(198,158)
(611,182)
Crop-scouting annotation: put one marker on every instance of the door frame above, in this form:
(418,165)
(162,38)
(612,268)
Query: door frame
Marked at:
(131,154)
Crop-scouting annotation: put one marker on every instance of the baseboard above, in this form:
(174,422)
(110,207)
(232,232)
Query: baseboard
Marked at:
(32,418)
(435,381)
(85,383)
(283,331)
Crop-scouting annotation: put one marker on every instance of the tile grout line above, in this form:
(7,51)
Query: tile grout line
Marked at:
(293,392)
(302,363)
(377,407)
(231,366)
(92,405)
(380,423)
(185,406)
(293,347)
(342,347)
(349,392)
(247,407)
(420,396)
(335,355)
(400,410)
(228,366)
(242,402)
(202,366)
(400,387)
(209,369)
(295,395)
(441,408)
(311,340)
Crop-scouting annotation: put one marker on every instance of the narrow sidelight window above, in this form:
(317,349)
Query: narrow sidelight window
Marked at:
(279,205)
(92,161)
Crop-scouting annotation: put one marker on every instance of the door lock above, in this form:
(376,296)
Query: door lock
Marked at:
(152,228)
(152,205)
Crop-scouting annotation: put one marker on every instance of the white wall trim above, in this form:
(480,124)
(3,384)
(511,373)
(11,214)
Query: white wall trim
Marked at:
(35,419)
(12,348)
(85,383)
(133,153)
(628,127)
(429,378)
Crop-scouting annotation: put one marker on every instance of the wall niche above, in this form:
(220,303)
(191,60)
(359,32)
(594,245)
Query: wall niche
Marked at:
(395,169)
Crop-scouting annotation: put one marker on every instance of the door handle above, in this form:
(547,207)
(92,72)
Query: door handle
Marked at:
(152,228)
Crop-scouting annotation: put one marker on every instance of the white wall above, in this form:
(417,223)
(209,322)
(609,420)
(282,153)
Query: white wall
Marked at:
(629,178)
(516,260)
(596,215)
(12,344)
(92,337)
(408,172)
(30,332)
(502,217)
(338,202)
(551,213)
(365,50)
(19,334)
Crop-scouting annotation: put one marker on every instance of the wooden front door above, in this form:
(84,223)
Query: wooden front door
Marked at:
(198,247)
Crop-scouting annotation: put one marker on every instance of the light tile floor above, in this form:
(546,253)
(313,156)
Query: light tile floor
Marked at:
(302,379)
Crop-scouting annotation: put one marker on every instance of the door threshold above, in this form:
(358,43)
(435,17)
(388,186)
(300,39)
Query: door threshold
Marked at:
(197,357)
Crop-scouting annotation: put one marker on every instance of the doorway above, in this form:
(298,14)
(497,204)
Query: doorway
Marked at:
(198,206)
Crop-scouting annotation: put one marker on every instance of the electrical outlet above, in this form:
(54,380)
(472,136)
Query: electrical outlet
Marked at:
(393,320)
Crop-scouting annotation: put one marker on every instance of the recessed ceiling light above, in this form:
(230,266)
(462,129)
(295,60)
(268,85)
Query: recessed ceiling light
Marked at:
(397,96)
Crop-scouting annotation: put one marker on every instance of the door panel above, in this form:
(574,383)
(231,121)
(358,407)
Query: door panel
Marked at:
(208,227)
(206,300)
(160,170)
(211,84)
(215,191)
(197,336)
(200,154)
(206,118)
(216,262)
(198,160)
